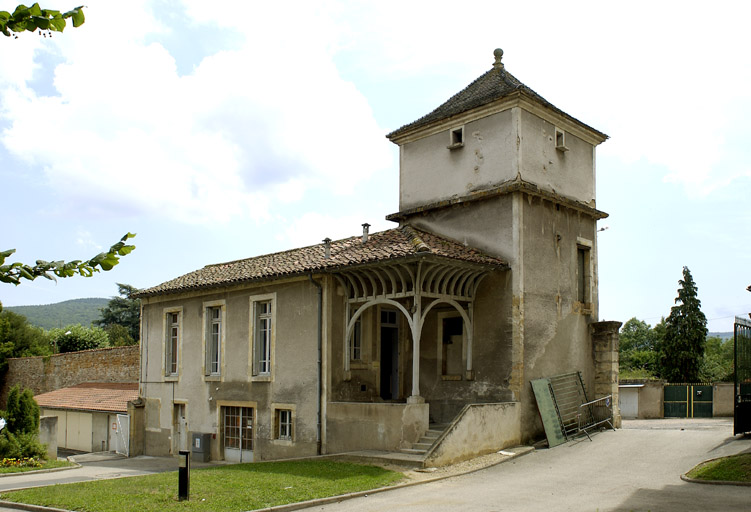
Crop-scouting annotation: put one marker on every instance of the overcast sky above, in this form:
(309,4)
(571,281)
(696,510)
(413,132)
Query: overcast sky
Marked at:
(223,132)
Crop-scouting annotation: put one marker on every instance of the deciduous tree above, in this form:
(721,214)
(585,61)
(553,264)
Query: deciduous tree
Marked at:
(123,310)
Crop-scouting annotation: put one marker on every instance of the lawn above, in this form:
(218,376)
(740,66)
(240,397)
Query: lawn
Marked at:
(8,466)
(229,488)
(736,468)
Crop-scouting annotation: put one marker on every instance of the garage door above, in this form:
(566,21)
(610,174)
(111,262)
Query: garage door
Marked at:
(78,431)
(629,402)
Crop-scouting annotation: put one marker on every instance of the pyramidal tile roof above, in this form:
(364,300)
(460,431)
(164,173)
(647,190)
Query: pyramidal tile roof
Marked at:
(398,243)
(91,396)
(493,85)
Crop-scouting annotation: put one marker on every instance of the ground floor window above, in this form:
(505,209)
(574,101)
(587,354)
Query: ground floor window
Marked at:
(284,424)
(238,427)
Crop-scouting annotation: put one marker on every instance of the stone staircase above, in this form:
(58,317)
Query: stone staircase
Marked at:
(413,457)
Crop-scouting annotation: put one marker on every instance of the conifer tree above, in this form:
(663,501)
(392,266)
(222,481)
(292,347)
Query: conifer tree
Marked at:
(682,349)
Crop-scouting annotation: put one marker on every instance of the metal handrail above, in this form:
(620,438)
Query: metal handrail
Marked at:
(590,414)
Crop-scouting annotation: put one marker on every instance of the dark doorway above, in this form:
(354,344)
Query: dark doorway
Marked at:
(389,355)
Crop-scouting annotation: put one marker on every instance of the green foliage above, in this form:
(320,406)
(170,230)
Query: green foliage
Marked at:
(14,272)
(75,311)
(123,311)
(682,350)
(19,339)
(35,18)
(717,365)
(119,336)
(22,414)
(73,338)
(637,349)
(16,446)
(19,437)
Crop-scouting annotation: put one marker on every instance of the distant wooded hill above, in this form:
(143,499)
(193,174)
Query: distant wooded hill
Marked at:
(69,312)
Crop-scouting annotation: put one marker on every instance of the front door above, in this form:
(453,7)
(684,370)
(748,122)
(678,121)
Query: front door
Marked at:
(389,355)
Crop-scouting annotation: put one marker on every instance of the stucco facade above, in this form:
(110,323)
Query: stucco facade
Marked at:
(489,281)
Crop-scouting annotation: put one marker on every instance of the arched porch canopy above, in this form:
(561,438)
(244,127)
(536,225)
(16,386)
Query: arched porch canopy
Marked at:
(414,286)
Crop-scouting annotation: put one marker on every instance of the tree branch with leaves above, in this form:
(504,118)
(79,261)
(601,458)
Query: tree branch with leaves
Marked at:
(13,273)
(35,18)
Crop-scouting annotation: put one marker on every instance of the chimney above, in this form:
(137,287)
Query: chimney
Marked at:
(365,228)
(327,248)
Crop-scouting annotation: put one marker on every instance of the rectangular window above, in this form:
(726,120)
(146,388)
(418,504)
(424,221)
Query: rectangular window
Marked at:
(583,279)
(172,343)
(355,348)
(284,424)
(238,427)
(262,338)
(213,340)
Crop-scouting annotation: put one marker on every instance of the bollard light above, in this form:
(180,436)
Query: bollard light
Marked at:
(183,482)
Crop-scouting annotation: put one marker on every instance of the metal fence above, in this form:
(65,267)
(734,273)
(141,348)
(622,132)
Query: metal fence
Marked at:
(595,414)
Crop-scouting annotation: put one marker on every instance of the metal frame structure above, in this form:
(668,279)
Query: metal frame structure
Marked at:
(413,287)
(742,375)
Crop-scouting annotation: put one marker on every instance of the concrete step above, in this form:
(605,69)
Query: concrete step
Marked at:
(413,450)
(408,460)
(422,445)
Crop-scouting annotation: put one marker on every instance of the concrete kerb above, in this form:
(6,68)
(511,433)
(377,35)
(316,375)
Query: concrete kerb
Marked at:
(518,451)
(687,478)
(40,471)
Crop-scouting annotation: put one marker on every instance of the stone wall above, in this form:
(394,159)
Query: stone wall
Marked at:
(605,341)
(43,374)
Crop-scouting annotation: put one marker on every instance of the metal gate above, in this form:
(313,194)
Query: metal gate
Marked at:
(687,400)
(123,435)
(742,358)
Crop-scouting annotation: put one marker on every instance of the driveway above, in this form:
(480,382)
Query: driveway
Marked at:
(636,468)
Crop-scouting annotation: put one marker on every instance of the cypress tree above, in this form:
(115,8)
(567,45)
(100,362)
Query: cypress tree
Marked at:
(682,349)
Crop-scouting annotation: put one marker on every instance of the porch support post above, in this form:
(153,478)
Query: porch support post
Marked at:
(415,398)
(470,374)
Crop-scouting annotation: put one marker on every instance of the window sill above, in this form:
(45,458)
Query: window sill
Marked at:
(212,378)
(260,378)
(359,365)
(171,378)
(283,442)
(451,377)
(456,145)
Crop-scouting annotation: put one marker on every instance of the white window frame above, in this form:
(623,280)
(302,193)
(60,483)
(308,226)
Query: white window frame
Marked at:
(169,353)
(257,372)
(278,410)
(208,307)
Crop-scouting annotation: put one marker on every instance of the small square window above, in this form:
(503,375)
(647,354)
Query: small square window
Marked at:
(560,140)
(456,138)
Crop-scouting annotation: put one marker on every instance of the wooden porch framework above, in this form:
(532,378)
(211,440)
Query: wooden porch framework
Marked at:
(405,285)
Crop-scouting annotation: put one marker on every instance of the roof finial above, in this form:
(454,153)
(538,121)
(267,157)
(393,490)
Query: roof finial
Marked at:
(498,56)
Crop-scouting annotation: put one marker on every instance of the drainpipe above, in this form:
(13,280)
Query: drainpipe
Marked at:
(320,360)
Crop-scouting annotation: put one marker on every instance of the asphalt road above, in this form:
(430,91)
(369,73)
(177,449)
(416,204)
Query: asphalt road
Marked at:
(636,468)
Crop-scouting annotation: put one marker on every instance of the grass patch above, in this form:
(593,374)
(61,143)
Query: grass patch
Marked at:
(50,464)
(736,468)
(229,488)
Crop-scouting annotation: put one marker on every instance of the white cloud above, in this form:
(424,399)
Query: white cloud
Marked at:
(250,127)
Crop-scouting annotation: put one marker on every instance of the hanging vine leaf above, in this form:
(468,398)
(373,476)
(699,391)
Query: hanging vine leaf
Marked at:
(35,18)
(13,272)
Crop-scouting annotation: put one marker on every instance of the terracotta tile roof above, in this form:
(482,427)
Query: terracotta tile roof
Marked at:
(492,85)
(91,396)
(399,243)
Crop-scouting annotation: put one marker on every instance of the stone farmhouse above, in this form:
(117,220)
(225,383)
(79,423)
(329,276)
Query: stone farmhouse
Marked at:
(489,281)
